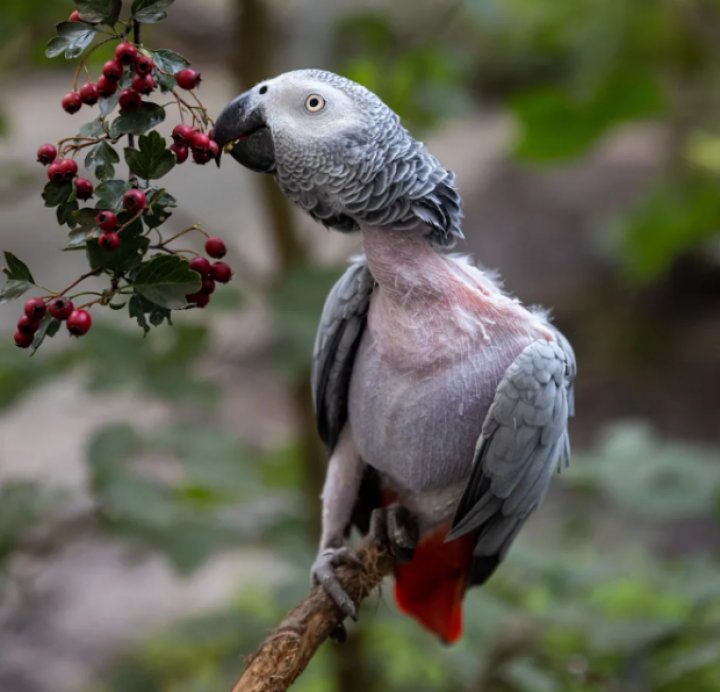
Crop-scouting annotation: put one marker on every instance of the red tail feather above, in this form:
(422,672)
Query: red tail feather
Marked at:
(431,586)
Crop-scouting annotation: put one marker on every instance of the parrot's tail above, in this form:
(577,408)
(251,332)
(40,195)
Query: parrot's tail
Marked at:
(431,586)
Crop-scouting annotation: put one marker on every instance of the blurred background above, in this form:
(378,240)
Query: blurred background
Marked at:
(159,497)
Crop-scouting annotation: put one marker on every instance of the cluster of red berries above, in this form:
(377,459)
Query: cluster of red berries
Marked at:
(218,272)
(78,322)
(186,139)
(63,170)
(142,83)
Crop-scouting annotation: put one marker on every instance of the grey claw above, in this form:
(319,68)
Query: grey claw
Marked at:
(323,573)
(395,527)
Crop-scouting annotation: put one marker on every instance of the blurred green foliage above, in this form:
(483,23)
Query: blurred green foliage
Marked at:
(559,615)
(569,71)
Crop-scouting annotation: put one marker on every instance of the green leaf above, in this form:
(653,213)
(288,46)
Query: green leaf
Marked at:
(54,194)
(95,128)
(108,105)
(127,257)
(138,122)
(72,39)
(19,278)
(150,11)
(101,11)
(110,193)
(16,269)
(65,213)
(48,328)
(55,47)
(157,212)
(152,160)
(165,280)
(169,61)
(101,159)
(556,122)
(671,220)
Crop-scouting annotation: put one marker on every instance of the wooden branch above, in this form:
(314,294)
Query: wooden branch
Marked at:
(287,650)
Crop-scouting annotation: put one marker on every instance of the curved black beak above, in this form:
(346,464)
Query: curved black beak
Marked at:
(242,132)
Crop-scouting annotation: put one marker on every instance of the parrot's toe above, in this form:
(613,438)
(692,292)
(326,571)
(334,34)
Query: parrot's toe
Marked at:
(323,573)
(395,527)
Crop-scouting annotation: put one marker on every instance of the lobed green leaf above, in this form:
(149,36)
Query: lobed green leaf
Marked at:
(148,116)
(72,39)
(152,160)
(56,194)
(101,159)
(101,11)
(19,278)
(150,11)
(109,194)
(165,280)
(169,61)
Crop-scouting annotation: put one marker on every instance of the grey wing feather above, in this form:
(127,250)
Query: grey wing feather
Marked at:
(341,326)
(524,438)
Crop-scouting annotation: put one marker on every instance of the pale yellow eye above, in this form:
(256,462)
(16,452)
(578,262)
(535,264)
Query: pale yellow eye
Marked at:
(314,103)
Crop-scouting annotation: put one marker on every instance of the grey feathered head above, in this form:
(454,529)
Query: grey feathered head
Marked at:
(341,154)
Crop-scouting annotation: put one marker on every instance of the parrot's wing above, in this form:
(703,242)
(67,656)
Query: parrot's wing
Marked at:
(341,326)
(524,438)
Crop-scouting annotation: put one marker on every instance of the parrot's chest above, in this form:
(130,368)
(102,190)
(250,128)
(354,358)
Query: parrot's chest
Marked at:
(420,390)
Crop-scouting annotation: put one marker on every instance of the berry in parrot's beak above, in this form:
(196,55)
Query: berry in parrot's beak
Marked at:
(243,133)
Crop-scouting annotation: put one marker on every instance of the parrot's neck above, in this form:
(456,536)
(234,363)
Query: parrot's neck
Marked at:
(405,264)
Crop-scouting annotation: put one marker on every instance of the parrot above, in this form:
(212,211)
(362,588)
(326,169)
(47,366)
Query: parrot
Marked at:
(439,396)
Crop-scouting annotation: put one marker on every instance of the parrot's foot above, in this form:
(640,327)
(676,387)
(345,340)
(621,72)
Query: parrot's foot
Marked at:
(323,573)
(395,527)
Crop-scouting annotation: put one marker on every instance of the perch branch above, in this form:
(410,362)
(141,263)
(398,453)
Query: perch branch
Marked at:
(287,650)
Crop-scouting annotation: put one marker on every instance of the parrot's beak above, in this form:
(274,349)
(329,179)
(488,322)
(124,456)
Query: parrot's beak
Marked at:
(243,133)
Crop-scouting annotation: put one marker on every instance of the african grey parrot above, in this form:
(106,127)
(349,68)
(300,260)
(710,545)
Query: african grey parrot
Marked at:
(436,393)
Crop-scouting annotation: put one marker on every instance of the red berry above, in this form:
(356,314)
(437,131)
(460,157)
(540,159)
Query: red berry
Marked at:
(46,154)
(67,168)
(201,156)
(126,53)
(72,102)
(215,247)
(134,200)
(55,173)
(208,286)
(214,149)
(109,241)
(83,188)
(79,322)
(199,299)
(74,16)
(221,272)
(89,93)
(106,87)
(112,70)
(23,340)
(200,141)
(129,100)
(106,220)
(35,308)
(181,152)
(143,83)
(187,78)
(27,325)
(201,266)
(183,134)
(144,65)
(60,308)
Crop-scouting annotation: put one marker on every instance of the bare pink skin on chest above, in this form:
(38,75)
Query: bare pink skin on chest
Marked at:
(440,336)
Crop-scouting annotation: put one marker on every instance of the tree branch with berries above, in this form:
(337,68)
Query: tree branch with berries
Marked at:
(121,222)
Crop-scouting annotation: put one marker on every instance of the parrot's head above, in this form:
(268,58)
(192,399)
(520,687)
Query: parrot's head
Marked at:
(341,154)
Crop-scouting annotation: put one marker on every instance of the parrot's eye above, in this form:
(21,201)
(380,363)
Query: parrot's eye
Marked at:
(314,103)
